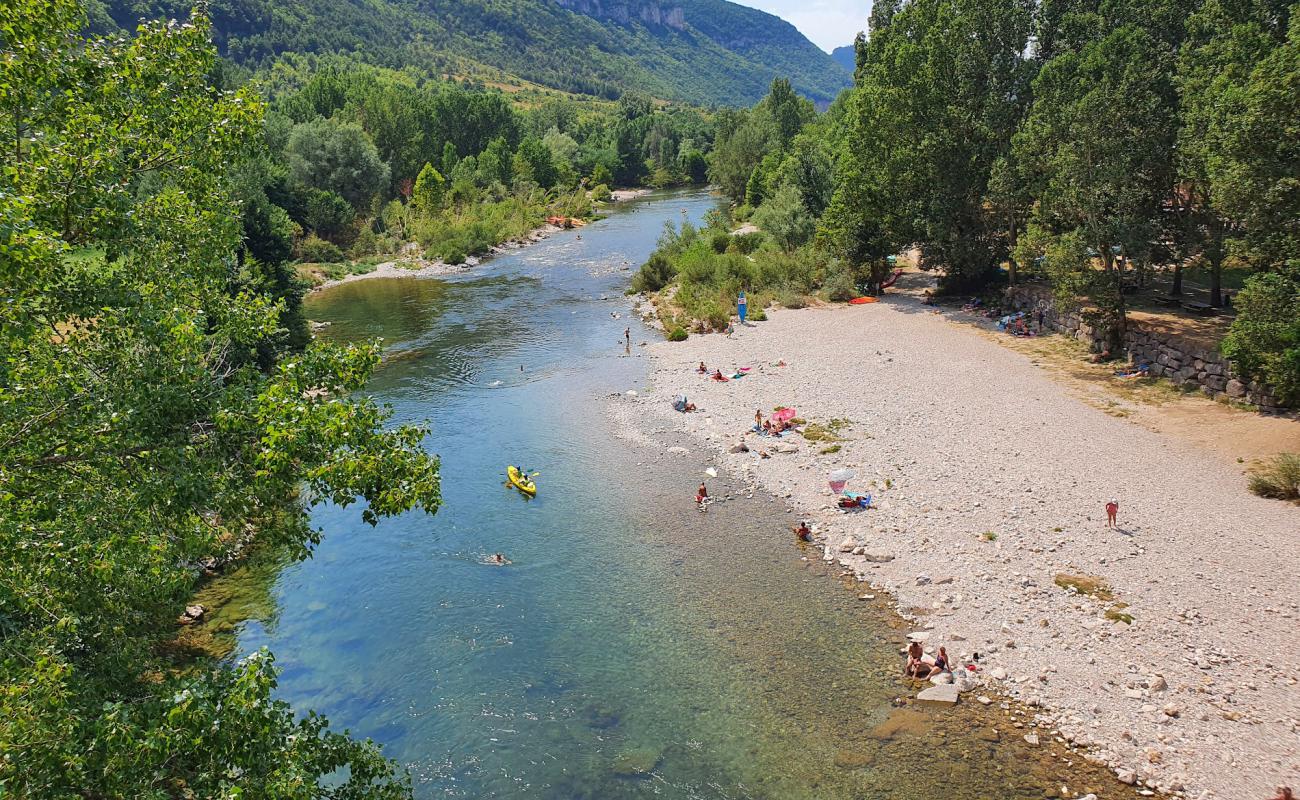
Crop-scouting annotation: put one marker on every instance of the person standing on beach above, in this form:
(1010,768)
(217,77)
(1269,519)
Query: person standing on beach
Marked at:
(627,340)
(1112,511)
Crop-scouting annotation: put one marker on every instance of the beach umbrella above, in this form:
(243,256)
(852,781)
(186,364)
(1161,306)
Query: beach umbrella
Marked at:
(840,477)
(783,414)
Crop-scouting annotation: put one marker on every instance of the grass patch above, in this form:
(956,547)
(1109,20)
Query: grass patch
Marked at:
(989,536)
(817,432)
(1278,478)
(1116,613)
(1085,584)
(826,451)
(677,334)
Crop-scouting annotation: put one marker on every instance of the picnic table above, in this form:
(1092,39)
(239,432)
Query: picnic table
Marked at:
(1199,308)
(1167,299)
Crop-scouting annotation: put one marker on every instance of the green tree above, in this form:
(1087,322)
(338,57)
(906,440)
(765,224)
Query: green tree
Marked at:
(1214,66)
(1100,135)
(339,158)
(1264,340)
(1254,167)
(427,198)
(496,163)
(537,156)
(785,218)
(328,214)
(149,417)
(942,87)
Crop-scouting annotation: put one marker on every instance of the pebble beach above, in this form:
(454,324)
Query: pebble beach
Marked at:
(1161,648)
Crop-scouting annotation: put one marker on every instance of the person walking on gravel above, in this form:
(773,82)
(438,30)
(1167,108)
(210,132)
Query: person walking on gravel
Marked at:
(1112,511)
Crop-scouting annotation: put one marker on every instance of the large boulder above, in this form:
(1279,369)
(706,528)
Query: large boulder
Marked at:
(946,694)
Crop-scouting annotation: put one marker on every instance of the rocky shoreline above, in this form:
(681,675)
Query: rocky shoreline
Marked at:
(1160,647)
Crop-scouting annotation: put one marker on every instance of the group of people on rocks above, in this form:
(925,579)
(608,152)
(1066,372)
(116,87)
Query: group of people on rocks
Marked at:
(917,667)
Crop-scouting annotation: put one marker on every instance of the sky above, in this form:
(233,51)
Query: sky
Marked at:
(828,23)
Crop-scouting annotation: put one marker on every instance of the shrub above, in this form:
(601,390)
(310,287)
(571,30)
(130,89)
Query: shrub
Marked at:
(720,241)
(677,334)
(791,299)
(1264,340)
(654,275)
(747,243)
(1278,478)
(601,193)
(316,250)
(758,315)
(839,285)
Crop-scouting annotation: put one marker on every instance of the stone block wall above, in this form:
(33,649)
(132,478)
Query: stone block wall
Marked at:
(1177,360)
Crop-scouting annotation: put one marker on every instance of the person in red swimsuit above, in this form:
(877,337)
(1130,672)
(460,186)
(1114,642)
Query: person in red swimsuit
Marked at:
(1112,511)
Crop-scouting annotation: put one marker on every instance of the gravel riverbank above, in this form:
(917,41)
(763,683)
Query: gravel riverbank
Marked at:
(990,481)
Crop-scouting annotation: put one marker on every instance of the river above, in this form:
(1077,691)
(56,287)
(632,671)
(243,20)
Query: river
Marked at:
(634,647)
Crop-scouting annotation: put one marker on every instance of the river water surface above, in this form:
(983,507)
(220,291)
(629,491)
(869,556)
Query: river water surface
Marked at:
(633,647)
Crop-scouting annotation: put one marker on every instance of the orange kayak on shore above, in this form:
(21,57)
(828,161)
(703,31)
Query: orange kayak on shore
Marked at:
(862,301)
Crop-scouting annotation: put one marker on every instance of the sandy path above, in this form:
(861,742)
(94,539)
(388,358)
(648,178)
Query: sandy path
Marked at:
(1199,692)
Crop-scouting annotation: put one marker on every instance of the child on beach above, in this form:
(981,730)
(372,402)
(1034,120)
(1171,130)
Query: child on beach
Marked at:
(1112,511)
(701,494)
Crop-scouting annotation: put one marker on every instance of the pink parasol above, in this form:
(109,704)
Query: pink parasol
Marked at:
(783,414)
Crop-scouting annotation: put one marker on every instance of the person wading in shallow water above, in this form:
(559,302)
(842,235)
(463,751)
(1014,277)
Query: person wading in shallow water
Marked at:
(802,532)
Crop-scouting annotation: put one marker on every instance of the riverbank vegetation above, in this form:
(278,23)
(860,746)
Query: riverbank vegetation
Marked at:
(160,406)
(364,163)
(1099,147)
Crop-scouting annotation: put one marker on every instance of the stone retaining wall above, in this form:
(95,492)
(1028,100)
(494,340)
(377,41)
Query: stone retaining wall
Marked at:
(1178,360)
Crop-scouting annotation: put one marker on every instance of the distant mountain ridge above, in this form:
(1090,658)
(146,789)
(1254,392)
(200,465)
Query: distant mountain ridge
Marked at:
(709,52)
(847,57)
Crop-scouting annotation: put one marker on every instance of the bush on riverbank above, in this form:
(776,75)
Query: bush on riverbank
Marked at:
(709,267)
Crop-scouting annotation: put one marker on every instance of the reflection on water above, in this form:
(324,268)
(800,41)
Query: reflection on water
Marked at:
(633,647)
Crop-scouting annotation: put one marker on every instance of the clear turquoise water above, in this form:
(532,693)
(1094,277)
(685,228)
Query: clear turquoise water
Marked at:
(634,647)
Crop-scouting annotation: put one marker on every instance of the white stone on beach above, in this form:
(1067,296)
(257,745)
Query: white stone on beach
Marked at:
(946,693)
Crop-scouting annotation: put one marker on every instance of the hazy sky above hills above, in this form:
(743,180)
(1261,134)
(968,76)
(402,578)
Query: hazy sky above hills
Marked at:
(829,23)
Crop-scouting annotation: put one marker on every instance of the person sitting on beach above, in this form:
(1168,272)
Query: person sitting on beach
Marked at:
(914,662)
(703,370)
(767,427)
(701,494)
(802,532)
(940,666)
(718,376)
(1283,793)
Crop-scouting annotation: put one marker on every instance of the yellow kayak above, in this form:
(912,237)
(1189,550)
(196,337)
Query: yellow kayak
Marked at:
(521,482)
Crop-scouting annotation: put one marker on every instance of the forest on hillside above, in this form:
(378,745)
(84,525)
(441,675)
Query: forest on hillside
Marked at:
(727,60)
(1085,144)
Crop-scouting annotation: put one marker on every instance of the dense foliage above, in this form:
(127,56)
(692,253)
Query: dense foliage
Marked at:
(723,54)
(159,405)
(361,161)
(1085,143)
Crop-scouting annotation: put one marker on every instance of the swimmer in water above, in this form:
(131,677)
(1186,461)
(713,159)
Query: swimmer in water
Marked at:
(500,559)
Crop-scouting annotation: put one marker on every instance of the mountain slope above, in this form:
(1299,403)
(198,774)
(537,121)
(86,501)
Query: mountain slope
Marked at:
(847,57)
(701,51)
